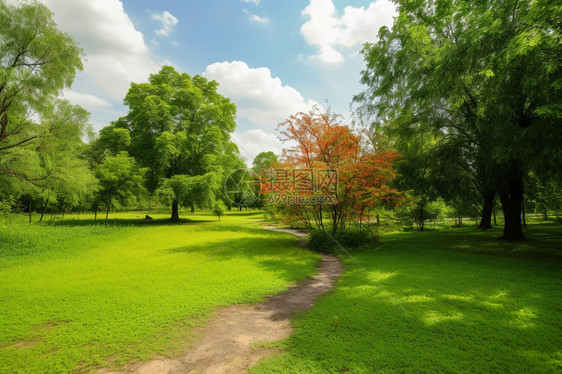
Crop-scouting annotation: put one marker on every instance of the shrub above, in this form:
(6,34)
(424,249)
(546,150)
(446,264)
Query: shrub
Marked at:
(319,241)
(322,242)
(354,238)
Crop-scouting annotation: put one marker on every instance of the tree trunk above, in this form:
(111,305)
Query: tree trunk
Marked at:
(192,206)
(545,215)
(175,211)
(523,213)
(486,221)
(43,210)
(107,208)
(30,209)
(511,198)
(96,214)
(335,224)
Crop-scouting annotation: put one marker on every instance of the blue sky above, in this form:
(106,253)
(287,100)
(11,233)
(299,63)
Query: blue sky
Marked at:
(273,58)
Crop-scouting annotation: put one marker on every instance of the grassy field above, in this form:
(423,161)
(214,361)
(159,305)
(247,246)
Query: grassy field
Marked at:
(454,301)
(79,294)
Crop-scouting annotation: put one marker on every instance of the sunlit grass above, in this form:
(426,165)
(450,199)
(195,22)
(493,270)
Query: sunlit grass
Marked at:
(455,301)
(79,294)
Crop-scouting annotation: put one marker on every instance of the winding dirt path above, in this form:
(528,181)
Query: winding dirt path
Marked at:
(234,339)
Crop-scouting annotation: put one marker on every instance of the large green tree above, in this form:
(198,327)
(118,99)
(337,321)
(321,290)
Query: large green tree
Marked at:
(36,62)
(180,126)
(484,77)
(65,178)
(51,170)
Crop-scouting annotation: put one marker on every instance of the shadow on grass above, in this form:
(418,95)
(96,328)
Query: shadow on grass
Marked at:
(262,249)
(432,303)
(127,222)
(155,221)
(543,242)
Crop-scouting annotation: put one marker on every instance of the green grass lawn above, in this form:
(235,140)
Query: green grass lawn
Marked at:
(79,294)
(453,301)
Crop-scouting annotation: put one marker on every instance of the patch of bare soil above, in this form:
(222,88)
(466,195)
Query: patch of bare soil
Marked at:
(234,340)
(25,344)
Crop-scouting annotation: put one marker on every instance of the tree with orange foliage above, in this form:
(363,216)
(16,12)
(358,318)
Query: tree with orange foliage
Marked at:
(326,150)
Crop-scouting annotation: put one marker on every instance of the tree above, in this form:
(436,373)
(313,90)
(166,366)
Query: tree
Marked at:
(110,142)
(187,190)
(121,180)
(54,172)
(179,126)
(483,76)
(543,195)
(219,209)
(37,62)
(264,161)
(66,177)
(331,160)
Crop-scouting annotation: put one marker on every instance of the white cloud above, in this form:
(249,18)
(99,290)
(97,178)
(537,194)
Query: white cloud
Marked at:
(256,2)
(116,52)
(85,100)
(259,19)
(332,33)
(259,97)
(167,20)
(253,142)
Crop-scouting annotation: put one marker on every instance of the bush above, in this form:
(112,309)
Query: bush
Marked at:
(354,238)
(319,241)
(322,242)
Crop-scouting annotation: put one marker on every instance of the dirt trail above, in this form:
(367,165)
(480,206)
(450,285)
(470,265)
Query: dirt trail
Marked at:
(232,341)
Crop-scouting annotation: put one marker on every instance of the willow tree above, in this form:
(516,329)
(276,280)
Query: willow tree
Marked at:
(65,178)
(180,126)
(37,61)
(485,76)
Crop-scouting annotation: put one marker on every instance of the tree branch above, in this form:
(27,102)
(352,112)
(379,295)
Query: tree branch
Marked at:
(20,143)
(4,170)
